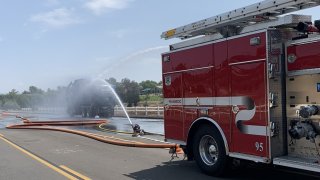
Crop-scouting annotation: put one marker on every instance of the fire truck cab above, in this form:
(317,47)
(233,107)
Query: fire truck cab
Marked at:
(246,86)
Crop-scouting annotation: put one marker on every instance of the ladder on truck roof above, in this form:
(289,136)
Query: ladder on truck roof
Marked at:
(230,23)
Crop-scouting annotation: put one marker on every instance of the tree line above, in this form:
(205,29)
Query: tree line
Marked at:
(32,98)
(128,90)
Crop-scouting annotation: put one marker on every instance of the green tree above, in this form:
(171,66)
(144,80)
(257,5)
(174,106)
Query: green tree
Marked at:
(160,88)
(10,104)
(128,91)
(2,100)
(112,81)
(148,84)
(149,87)
(13,94)
(133,94)
(24,100)
(35,90)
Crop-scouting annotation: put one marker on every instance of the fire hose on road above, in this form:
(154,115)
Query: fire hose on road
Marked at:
(49,125)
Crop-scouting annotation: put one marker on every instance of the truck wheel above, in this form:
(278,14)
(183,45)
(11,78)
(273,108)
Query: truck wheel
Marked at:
(209,151)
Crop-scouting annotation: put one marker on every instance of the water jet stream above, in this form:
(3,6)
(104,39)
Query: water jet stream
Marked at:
(119,100)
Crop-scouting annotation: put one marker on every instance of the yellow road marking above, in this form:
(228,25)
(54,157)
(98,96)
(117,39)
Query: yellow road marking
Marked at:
(40,160)
(1,135)
(110,130)
(111,137)
(75,172)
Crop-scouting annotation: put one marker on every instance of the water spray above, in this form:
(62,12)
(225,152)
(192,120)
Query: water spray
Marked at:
(135,127)
(119,100)
(129,57)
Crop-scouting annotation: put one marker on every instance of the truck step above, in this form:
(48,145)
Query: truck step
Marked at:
(298,163)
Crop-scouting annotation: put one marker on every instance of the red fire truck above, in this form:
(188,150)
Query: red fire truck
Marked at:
(246,86)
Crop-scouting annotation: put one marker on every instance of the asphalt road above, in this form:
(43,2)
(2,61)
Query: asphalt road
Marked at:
(34,154)
(84,158)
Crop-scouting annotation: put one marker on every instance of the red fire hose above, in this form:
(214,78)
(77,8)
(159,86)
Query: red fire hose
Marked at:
(48,125)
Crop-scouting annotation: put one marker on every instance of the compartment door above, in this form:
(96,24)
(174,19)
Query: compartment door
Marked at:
(247,60)
(249,127)
(173,109)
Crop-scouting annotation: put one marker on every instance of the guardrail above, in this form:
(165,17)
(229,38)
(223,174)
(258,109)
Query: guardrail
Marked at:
(45,109)
(140,111)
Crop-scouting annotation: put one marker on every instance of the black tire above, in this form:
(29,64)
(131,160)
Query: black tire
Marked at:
(209,151)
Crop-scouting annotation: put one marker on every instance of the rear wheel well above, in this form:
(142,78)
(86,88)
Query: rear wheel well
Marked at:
(193,130)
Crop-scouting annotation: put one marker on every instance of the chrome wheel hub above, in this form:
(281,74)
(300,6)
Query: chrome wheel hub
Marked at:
(208,150)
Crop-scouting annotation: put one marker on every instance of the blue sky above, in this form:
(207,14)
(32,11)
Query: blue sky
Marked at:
(47,43)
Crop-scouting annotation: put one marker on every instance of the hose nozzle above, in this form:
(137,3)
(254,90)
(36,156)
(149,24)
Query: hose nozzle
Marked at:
(308,27)
(308,111)
(137,130)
